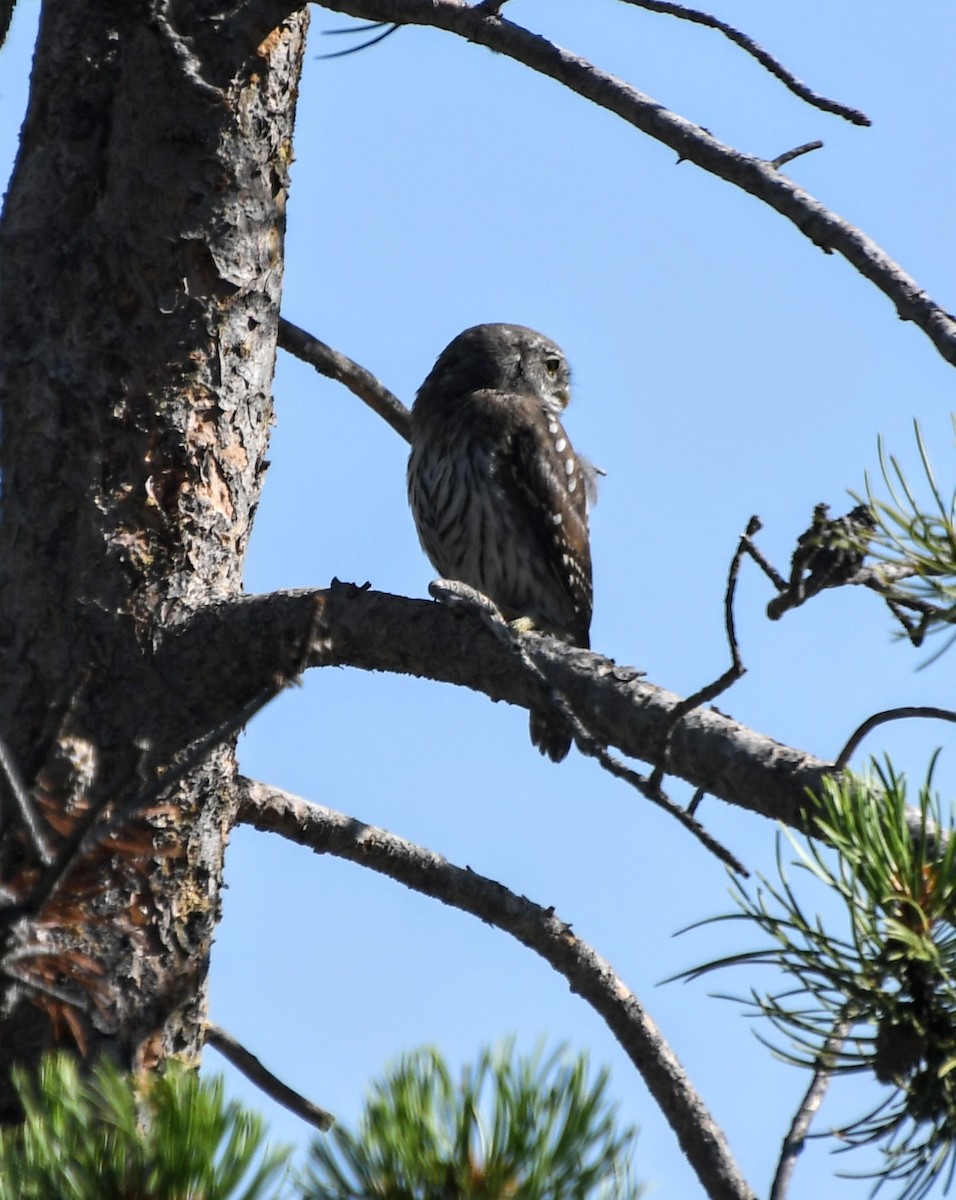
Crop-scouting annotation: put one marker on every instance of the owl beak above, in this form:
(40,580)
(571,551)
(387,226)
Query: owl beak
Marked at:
(563,396)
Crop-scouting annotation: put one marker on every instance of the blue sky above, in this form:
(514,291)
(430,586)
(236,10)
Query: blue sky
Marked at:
(723,366)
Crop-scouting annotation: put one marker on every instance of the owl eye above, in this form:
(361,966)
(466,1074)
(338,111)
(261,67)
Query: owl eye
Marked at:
(552,365)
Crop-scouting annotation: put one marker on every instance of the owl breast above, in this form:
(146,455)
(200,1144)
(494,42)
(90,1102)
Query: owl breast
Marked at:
(502,508)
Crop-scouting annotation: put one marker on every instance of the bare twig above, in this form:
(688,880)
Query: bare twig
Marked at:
(695,800)
(881,718)
(763,563)
(538,928)
(712,690)
(790,155)
(336,366)
(915,630)
(389,29)
(796,1138)
(689,141)
(880,578)
(916,634)
(753,527)
(273,1087)
(776,68)
(24,804)
(455,594)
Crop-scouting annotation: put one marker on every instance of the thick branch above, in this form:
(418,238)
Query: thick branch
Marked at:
(590,976)
(690,142)
(225,655)
(458,595)
(232,650)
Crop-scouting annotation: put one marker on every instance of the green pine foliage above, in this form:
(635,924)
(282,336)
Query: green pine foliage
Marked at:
(530,1128)
(872,989)
(919,532)
(111,1136)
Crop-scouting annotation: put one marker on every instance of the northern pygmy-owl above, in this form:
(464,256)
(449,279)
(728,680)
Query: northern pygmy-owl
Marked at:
(500,498)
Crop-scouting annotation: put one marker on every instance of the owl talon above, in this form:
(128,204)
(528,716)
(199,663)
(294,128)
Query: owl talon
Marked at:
(455,594)
(523,625)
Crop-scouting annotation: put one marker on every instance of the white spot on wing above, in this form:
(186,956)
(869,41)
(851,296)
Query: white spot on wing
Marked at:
(560,444)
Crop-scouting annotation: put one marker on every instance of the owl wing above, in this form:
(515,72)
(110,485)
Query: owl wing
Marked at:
(548,486)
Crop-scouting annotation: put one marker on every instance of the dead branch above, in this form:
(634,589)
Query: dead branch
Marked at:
(773,65)
(796,1138)
(736,669)
(218,658)
(788,156)
(690,142)
(246,1062)
(337,366)
(459,595)
(541,930)
(881,718)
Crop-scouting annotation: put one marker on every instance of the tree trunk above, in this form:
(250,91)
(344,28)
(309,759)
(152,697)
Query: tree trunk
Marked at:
(140,275)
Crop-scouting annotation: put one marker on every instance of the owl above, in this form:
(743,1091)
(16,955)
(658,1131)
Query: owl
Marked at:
(499,497)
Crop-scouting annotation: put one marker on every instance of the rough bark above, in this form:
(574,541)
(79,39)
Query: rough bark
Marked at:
(140,273)
(257,637)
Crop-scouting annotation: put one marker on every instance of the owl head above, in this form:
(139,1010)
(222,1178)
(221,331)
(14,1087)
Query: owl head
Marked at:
(504,358)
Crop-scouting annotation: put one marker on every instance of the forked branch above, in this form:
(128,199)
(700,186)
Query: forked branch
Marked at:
(457,595)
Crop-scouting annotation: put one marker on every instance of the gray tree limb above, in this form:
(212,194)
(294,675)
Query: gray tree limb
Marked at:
(228,653)
(541,930)
(486,27)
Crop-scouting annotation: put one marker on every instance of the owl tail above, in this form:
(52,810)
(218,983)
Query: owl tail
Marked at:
(549,732)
